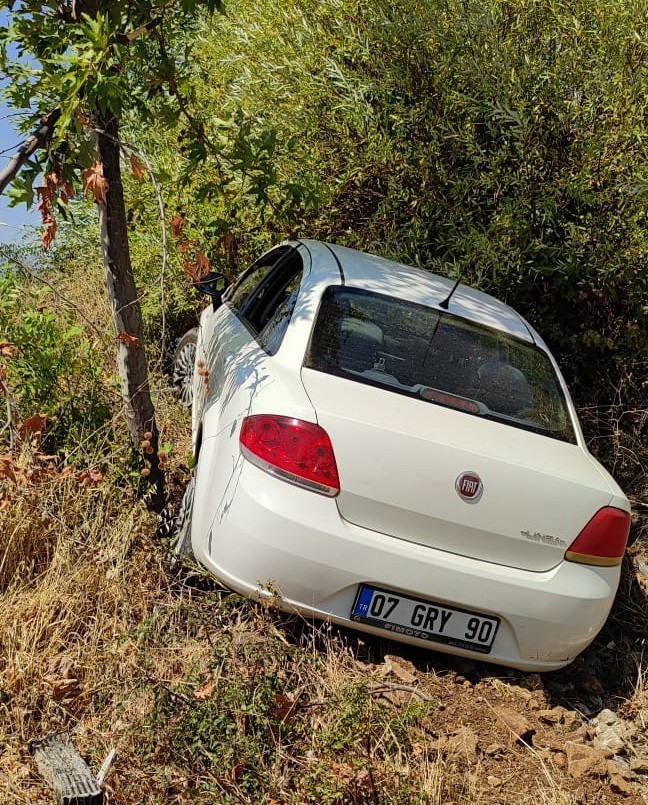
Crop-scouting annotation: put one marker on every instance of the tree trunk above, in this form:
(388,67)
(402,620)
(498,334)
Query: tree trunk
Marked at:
(37,139)
(127,315)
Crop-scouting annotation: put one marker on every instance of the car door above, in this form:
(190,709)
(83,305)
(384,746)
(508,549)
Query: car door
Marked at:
(238,337)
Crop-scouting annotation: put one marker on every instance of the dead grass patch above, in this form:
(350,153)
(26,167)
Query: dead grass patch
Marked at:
(208,698)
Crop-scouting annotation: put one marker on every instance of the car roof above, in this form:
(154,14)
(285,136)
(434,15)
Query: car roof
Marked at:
(372,273)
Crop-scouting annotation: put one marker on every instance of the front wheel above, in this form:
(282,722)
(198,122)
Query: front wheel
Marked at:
(183,367)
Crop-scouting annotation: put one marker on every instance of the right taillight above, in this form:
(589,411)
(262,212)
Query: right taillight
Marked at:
(603,540)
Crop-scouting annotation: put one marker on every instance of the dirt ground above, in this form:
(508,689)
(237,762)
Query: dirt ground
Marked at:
(577,735)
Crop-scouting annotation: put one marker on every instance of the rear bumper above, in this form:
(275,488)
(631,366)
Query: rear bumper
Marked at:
(270,538)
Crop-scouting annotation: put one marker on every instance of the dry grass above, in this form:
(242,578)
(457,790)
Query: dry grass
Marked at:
(72,587)
(208,698)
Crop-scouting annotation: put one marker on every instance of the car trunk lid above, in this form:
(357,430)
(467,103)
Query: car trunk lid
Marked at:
(400,461)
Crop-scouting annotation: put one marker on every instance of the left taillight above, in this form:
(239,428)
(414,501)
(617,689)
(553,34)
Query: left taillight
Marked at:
(297,451)
(603,540)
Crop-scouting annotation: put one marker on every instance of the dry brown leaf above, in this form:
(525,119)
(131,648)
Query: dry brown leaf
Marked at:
(203,263)
(177,225)
(127,340)
(229,245)
(192,270)
(285,707)
(7,468)
(62,677)
(95,182)
(138,168)
(205,691)
(7,349)
(89,477)
(237,771)
(33,425)
(46,193)
(49,232)
(67,192)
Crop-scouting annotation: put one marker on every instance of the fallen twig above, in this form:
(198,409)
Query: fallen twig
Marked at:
(386,687)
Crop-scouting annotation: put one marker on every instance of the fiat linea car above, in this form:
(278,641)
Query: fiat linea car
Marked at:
(382,448)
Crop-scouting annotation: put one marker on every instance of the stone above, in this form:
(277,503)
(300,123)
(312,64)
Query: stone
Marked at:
(586,760)
(610,732)
(606,718)
(401,669)
(639,765)
(553,716)
(493,782)
(619,765)
(517,725)
(571,718)
(610,739)
(464,742)
(620,786)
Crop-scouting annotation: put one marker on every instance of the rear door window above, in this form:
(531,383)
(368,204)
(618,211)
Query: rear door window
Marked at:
(438,358)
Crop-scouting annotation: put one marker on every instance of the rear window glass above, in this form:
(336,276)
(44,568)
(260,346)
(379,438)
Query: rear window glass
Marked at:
(438,358)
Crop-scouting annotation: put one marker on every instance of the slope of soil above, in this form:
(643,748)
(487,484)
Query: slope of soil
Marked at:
(209,698)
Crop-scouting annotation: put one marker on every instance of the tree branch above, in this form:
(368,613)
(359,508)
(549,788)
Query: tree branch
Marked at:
(37,139)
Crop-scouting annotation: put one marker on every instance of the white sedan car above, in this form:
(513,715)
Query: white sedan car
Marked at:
(385,449)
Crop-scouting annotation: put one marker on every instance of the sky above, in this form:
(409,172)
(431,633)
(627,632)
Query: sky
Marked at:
(16,223)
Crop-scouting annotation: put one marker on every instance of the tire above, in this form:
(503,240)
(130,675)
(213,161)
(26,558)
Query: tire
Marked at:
(184,360)
(181,540)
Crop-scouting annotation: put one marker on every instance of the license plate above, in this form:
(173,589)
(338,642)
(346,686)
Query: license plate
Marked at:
(424,620)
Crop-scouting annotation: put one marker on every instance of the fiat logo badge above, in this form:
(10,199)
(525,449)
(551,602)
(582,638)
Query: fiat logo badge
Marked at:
(469,487)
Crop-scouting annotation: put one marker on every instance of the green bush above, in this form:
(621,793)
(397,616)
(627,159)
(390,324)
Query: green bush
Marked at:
(500,142)
(52,368)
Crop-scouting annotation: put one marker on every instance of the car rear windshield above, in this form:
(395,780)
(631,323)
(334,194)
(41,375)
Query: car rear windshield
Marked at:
(438,358)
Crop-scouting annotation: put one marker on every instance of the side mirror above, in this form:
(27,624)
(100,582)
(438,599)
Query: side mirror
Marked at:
(214,285)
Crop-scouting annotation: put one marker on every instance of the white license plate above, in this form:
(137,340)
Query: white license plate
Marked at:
(424,620)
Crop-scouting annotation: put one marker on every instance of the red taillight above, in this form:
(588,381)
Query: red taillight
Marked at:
(603,540)
(297,451)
